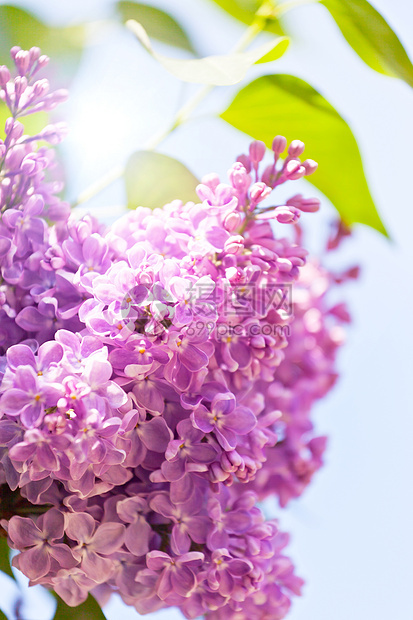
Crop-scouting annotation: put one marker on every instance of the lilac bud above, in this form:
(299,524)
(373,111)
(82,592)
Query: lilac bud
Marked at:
(226,463)
(28,166)
(217,473)
(268,176)
(257,151)
(308,205)
(259,192)
(232,221)
(234,245)
(41,88)
(54,133)
(284,264)
(14,50)
(22,62)
(286,215)
(42,62)
(35,205)
(4,75)
(278,145)
(20,85)
(294,170)
(310,166)
(239,177)
(245,161)
(14,129)
(35,53)
(296,148)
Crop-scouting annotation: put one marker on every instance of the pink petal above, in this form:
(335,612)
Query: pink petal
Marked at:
(108,538)
(23,532)
(35,562)
(80,526)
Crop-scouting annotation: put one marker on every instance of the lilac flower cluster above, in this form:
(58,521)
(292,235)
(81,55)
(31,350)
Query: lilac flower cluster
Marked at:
(127,417)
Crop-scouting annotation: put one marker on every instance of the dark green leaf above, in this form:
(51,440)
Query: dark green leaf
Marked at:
(284,104)
(3,616)
(89,610)
(153,179)
(212,70)
(371,37)
(245,10)
(5,557)
(157,23)
(18,27)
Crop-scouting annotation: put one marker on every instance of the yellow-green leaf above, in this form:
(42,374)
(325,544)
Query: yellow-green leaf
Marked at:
(153,179)
(33,123)
(245,10)
(157,23)
(19,27)
(284,104)
(371,37)
(213,70)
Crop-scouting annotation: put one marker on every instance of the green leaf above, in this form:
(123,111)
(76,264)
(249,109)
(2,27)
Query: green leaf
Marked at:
(5,566)
(284,104)
(153,179)
(3,616)
(33,123)
(19,27)
(213,70)
(245,10)
(157,23)
(89,610)
(371,37)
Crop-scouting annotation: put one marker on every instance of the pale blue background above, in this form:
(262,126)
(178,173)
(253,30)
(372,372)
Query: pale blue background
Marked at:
(352,535)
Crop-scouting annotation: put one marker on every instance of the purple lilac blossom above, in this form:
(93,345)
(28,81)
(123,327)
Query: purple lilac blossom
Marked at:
(150,371)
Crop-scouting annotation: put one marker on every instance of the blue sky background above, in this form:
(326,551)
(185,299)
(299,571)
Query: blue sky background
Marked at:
(351,533)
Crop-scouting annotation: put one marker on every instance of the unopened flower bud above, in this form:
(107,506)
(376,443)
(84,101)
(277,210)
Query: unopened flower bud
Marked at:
(259,192)
(35,53)
(232,221)
(245,161)
(278,145)
(294,170)
(14,50)
(28,166)
(286,215)
(14,129)
(22,61)
(4,75)
(257,152)
(268,176)
(239,177)
(296,148)
(308,205)
(217,473)
(40,88)
(234,245)
(54,133)
(42,62)
(284,264)
(310,166)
